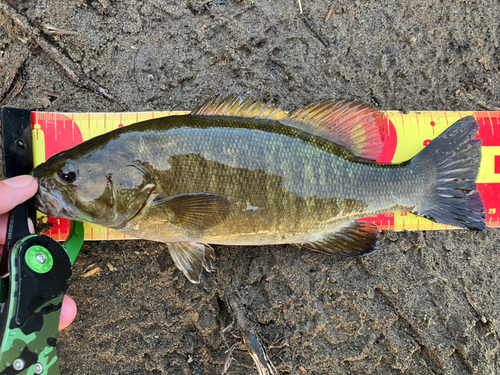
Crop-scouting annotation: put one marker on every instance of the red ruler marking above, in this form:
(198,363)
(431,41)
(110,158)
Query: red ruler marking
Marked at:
(418,124)
(446,118)
(489,122)
(403,124)
(490,194)
(433,124)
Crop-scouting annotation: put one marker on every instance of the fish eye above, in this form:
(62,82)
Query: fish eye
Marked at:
(67,173)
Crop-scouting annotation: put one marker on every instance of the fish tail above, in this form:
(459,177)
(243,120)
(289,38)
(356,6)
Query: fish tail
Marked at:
(454,157)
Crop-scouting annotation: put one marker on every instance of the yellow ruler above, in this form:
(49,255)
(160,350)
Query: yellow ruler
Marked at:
(406,135)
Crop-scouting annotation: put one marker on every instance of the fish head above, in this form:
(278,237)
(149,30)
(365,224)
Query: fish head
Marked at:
(96,186)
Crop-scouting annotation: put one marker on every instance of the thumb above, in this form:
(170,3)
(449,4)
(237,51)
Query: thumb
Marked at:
(16,190)
(68,312)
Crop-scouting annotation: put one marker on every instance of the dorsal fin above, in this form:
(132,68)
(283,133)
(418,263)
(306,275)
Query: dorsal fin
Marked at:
(349,123)
(236,106)
(355,125)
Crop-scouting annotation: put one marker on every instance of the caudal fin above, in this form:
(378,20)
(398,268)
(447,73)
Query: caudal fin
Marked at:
(455,155)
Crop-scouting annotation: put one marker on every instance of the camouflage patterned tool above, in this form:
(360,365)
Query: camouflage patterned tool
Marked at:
(247,173)
(32,289)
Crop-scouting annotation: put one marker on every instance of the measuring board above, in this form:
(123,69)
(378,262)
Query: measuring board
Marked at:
(406,135)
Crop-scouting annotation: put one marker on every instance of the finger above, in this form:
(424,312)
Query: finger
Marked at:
(16,190)
(3,227)
(68,312)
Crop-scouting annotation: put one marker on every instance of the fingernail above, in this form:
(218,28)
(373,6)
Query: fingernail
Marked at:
(31,227)
(19,182)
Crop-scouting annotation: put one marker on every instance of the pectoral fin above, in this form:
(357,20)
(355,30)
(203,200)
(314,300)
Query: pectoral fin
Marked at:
(356,239)
(195,211)
(191,258)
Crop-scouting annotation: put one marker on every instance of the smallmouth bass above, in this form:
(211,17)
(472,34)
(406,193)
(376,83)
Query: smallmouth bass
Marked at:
(239,172)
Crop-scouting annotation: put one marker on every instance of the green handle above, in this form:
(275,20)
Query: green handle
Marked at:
(40,272)
(74,243)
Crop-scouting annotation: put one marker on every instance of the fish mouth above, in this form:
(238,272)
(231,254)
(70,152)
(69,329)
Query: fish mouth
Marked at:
(39,204)
(49,203)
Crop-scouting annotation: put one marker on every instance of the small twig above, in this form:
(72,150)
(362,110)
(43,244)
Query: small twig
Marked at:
(69,66)
(251,340)
(311,26)
(91,272)
(228,328)
(54,94)
(273,345)
(16,89)
(89,267)
(52,30)
(482,103)
(105,4)
(229,359)
(111,267)
(329,13)
(300,6)
(9,79)
(486,106)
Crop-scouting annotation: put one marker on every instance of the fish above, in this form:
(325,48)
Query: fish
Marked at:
(245,172)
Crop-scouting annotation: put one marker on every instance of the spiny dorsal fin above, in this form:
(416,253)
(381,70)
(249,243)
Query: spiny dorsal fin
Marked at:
(236,106)
(349,123)
(352,124)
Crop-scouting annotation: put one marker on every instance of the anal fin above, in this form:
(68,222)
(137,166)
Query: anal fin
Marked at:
(356,239)
(191,258)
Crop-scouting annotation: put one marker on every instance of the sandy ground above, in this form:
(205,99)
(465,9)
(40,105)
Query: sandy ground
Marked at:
(426,303)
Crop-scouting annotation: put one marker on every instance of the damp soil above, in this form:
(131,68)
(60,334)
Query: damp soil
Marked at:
(426,303)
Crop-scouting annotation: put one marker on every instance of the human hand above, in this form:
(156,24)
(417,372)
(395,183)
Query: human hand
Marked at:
(13,192)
